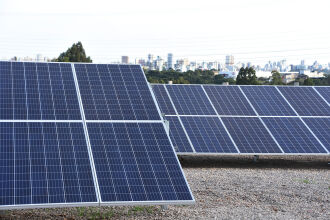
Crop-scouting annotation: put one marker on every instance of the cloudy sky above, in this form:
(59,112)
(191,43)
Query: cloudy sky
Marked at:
(251,30)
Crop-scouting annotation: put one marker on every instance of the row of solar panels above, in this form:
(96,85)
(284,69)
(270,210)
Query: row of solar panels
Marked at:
(246,119)
(83,134)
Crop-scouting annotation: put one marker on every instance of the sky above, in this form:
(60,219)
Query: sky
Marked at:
(200,30)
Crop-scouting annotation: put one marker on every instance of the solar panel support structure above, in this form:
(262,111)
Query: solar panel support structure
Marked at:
(176,112)
(97,188)
(310,130)
(223,124)
(255,111)
(321,96)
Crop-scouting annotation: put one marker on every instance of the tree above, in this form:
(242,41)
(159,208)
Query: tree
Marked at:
(76,53)
(242,77)
(309,82)
(276,78)
(247,76)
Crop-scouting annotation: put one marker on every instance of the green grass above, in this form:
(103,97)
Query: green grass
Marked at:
(306,181)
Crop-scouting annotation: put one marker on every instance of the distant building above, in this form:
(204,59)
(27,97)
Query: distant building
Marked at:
(125,59)
(288,77)
(230,60)
(170,64)
(39,58)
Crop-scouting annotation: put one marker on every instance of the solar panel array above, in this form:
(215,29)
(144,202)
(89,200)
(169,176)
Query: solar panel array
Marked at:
(81,135)
(253,120)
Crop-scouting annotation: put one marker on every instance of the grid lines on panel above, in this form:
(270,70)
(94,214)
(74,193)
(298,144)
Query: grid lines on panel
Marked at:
(321,128)
(208,135)
(190,100)
(228,100)
(178,136)
(250,135)
(267,101)
(163,100)
(115,92)
(325,92)
(305,101)
(139,161)
(37,91)
(44,163)
(293,135)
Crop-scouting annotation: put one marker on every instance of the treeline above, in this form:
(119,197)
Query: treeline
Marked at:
(189,77)
(246,76)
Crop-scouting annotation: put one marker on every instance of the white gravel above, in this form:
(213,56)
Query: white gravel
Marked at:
(230,188)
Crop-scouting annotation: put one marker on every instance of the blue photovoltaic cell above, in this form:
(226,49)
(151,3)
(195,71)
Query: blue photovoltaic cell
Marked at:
(115,92)
(135,162)
(190,100)
(208,135)
(228,100)
(163,100)
(250,135)
(177,135)
(293,136)
(44,163)
(267,101)
(38,91)
(305,101)
(325,92)
(321,128)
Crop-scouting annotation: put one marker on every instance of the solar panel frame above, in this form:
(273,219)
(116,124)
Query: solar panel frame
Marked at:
(203,126)
(253,126)
(175,125)
(259,95)
(85,121)
(314,101)
(320,127)
(32,141)
(156,202)
(96,186)
(321,90)
(184,105)
(166,107)
(294,148)
(241,102)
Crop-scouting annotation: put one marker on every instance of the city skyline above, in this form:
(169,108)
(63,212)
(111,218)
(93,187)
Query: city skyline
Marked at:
(206,31)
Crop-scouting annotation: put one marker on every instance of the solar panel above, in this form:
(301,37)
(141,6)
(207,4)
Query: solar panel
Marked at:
(178,136)
(163,100)
(267,101)
(293,135)
(321,128)
(38,91)
(305,101)
(115,92)
(190,100)
(135,162)
(208,135)
(228,100)
(250,135)
(325,92)
(46,158)
(44,163)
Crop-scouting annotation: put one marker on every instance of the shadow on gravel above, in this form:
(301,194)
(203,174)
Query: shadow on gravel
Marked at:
(285,162)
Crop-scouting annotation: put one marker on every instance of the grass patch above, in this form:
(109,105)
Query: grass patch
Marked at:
(306,181)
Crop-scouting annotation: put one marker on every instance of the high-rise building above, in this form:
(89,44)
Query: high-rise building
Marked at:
(125,59)
(170,64)
(230,60)
(39,58)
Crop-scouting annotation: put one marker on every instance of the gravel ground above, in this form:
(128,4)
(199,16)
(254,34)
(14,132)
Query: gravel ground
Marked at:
(229,188)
